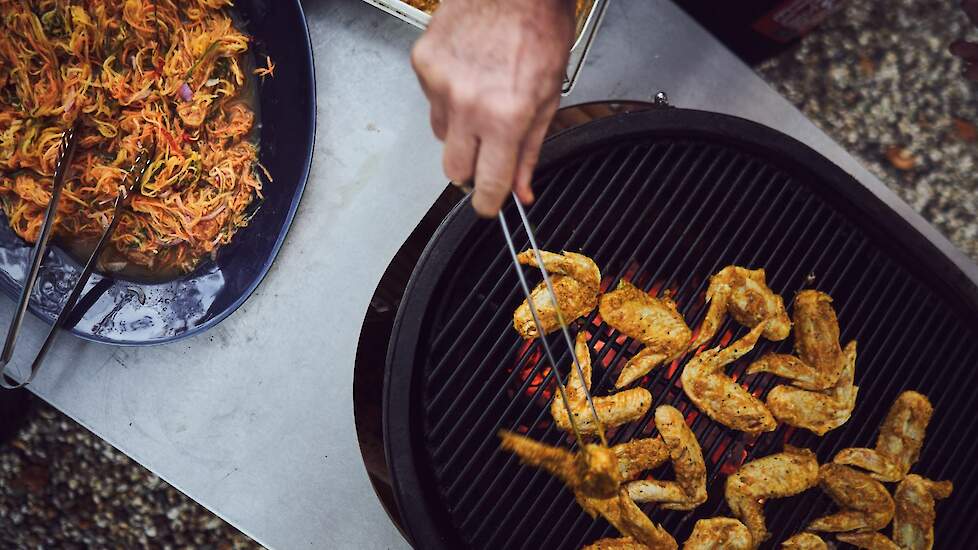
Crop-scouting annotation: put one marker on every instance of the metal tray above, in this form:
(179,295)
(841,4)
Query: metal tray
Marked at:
(587,25)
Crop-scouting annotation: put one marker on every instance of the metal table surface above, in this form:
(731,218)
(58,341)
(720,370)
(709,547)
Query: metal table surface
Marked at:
(254,419)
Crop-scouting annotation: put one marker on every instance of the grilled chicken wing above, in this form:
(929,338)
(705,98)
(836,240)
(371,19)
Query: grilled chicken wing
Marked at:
(576,280)
(654,322)
(718,395)
(869,541)
(613,410)
(913,524)
(899,442)
(804,541)
(621,543)
(593,472)
(719,534)
(689,489)
(866,504)
(638,455)
(818,411)
(820,360)
(775,476)
(745,294)
(630,520)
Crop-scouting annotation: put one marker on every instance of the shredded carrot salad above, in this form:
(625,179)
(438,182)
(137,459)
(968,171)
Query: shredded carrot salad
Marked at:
(130,72)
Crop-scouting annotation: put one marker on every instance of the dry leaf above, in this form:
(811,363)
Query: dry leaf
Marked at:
(866,66)
(901,158)
(964,130)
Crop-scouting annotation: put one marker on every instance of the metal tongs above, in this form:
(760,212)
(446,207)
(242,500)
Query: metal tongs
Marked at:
(560,318)
(129,187)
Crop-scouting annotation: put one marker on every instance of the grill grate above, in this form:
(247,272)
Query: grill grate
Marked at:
(665,213)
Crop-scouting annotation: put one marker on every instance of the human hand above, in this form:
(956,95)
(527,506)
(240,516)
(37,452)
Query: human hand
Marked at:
(968,51)
(492,71)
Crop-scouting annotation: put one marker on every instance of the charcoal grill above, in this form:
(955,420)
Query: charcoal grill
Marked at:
(664,198)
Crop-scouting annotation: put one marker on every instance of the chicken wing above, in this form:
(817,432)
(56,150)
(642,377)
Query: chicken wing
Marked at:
(621,543)
(718,395)
(745,294)
(913,524)
(818,411)
(654,322)
(629,519)
(820,360)
(804,541)
(593,472)
(719,534)
(869,541)
(689,489)
(899,442)
(865,503)
(613,410)
(775,476)
(638,455)
(576,280)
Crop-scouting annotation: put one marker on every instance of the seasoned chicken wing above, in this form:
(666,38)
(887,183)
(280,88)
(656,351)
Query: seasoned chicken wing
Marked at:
(719,534)
(593,472)
(913,524)
(630,520)
(689,489)
(898,444)
(818,411)
(774,476)
(804,541)
(868,540)
(638,455)
(655,322)
(745,294)
(621,543)
(576,280)
(865,503)
(718,395)
(820,360)
(613,410)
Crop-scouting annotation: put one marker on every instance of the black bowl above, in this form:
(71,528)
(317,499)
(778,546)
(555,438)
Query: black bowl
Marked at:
(119,311)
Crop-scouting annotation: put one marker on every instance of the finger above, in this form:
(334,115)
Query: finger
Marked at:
(964,49)
(530,153)
(970,8)
(461,148)
(439,121)
(970,71)
(494,173)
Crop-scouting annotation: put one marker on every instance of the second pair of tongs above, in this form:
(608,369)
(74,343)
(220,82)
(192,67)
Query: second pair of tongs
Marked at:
(129,187)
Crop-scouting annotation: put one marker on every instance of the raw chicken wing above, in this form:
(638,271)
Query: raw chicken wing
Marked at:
(719,534)
(913,524)
(775,476)
(593,472)
(868,540)
(804,541)
(613,410)
(899,442)
(639,455)
(865,503)
(745,294)
(654,322)
(820,361)
(818,411)
(689,489)
(718,395)
(576,280)
(629,519)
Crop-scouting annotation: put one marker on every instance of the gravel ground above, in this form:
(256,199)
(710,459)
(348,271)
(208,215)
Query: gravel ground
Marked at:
(876,77)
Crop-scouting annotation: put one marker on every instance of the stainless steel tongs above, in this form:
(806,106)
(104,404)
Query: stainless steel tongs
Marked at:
(560,318)
(129,187)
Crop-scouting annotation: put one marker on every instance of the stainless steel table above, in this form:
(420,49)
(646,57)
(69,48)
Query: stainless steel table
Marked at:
(254,419)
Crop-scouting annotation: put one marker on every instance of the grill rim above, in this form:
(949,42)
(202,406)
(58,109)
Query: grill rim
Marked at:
(428,523)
